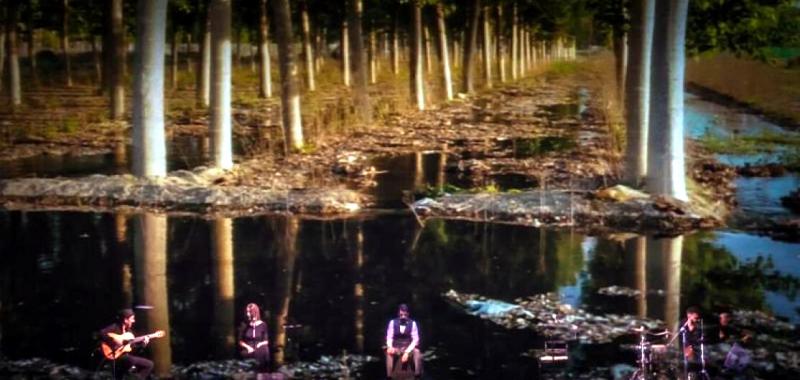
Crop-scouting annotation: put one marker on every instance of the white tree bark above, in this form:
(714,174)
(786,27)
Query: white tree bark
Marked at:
(308,52)
(445,60)
(417,75)
(117,56)
(204,72)
(219,120)
(290,96)
(345,54)
(264,72)
(487,47)
(149,146)
(14,83)
(637,99)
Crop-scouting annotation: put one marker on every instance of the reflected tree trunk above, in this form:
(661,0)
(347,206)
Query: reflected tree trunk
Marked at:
(264,72)
(419,171)
(358,290)
(308,52)
(637,90)
(149,146)
(290,96)
(223,278)
(637,249)
(669,250)
(219,123)
(287,230)
(150,250)
(445,59)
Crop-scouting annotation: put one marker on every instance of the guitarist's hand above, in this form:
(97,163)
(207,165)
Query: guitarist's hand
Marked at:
(250,350)
(146,340)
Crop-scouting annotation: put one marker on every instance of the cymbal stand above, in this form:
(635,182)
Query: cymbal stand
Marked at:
(641,373)
(703,373)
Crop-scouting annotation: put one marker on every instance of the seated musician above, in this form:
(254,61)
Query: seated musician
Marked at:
(116,336)
(402,338)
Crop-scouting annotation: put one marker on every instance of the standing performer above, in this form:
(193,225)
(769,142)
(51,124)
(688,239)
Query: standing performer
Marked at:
(254,339)
(117,341)
(402,338)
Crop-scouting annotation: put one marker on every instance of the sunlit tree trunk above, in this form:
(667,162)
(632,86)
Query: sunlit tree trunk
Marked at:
(501,45)
(290,96)
(363,108)
(666,171)
(203,87)
(637,90)
(3,58)
(514,43)
(219,120)
(14,91)
(223,279)
(345,54)
(427,40)
(467,72)
(65,43)
(620,61)
(395,46)
(98,73)
(445,59)
(264,72)
(174,57)
(149,146)
(116,55)
(307,51)
(417,78)
(187,45)
(487,47)
(373,58)
(150,250)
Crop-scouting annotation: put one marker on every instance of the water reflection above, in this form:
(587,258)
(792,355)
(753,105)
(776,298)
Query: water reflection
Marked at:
(331,285)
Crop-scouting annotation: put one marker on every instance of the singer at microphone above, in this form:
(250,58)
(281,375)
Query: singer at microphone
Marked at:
(692,335)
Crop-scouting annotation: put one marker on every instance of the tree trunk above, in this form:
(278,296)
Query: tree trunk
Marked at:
(290,97)
(417,83)
(98,72)
(203,87)
(14,92)
(65,44)
(487,47)
(149,146)
(116,57)
(395,46)
(467,82)
(427,36)
(264,72)
(219,120)
(363,108)
(445,59)
(620,58)
(373,59)
(637,90)
(501,51)
(187,46)
(307,51)
(31,48)
(3,54)
(666,171)
(514,43)
(345,54)
(174,57)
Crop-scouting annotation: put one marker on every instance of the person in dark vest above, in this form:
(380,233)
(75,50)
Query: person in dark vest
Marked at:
(402,338)
(115,336)
(254,339)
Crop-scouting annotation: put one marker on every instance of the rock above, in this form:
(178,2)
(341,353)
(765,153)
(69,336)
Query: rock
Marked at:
(792,201)
(620,193)
(767,170)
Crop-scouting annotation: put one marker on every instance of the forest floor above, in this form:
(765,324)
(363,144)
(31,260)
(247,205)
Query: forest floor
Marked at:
(551,132)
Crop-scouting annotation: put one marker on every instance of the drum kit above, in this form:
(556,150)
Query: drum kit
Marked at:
(657,360)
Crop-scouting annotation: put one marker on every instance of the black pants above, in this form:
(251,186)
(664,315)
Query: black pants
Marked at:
(415,356)
(261,355)
(123,364)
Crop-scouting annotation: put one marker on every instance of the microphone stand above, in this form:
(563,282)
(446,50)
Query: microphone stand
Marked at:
(703,372)
(682,333)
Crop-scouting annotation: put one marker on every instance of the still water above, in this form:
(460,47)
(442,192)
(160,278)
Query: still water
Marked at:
(336,283)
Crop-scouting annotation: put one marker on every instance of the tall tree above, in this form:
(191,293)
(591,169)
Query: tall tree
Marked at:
(290,96)
(637,98)
(396,45)
(308,52)
(487,46)
(501,45)
(515,72)
(221,130)
(65,43)
(149,145)
(417,76)
(445,59)
(471,45)
(12,14)
(363,108)
(31,42)
(666,173)
(264,74)
(345,38)
(203,87)
(116,54)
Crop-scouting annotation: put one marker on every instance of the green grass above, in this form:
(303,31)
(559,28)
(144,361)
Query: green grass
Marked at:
(748,144)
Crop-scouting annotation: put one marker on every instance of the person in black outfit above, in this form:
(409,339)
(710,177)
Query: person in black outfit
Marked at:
(254,339)
(124,363)
(692,336)
(402,338)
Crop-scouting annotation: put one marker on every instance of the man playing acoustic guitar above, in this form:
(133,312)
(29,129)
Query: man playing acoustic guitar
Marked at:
(117,342)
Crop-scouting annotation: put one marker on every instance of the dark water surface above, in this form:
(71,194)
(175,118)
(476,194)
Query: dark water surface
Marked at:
(336,283)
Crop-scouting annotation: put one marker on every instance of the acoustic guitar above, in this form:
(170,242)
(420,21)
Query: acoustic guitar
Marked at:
(126,341)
